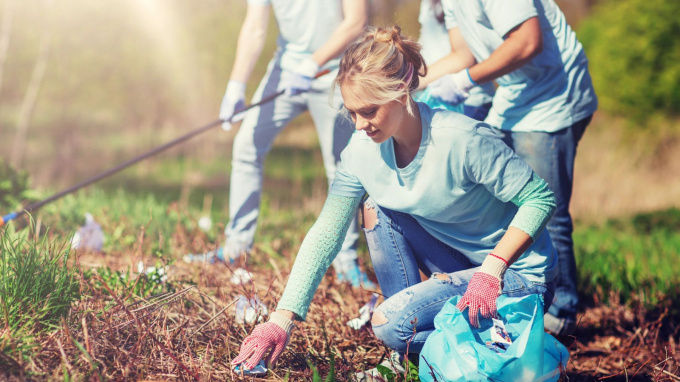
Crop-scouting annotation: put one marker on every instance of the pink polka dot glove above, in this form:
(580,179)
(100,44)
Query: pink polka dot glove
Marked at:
(272,335)
(483,289)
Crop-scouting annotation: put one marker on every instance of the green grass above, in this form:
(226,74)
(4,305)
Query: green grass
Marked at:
(38,283)
(37,280)
(635,259)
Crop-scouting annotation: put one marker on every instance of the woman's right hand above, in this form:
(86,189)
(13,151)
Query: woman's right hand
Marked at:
(273,334)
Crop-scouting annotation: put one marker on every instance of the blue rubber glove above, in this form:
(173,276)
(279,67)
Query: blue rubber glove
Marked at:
(234,99)
(300,80)
(453,88)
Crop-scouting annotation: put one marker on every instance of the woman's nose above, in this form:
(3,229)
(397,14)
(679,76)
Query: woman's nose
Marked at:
(361,123)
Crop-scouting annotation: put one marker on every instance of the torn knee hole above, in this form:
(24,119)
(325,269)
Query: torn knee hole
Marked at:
(370,217)
(442,276)
(378,318)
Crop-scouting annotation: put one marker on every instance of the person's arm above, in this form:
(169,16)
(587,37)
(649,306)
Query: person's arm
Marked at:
(458,59)
(355,17)
(494,165)
(536,205)
(251,40)
(320,246)
(353,22)
(521,45)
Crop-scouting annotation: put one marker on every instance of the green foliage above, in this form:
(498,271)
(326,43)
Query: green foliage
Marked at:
(37,287)
(126,283)
(122,218)
(634,56)
(37,284)
(14,188)
(635,257)
(412,374)
(388,374)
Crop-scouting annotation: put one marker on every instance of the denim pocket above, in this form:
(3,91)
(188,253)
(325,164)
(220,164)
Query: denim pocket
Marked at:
(514,284)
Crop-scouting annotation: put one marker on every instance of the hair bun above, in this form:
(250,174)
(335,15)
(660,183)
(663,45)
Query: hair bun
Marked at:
(392,35)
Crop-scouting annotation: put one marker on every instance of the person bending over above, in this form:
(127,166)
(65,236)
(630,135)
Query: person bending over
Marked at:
(446,196)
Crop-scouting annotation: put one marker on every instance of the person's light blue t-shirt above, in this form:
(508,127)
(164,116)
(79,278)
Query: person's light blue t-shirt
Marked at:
(458,187)
(549,93)
(434,40)
(304,26)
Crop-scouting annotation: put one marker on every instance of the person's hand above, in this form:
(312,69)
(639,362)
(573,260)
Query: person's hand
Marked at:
(300,80)
(272,335)
(234,100)
(483,289)
(452,88)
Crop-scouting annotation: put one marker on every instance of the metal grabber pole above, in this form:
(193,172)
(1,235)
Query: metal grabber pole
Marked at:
(124,165)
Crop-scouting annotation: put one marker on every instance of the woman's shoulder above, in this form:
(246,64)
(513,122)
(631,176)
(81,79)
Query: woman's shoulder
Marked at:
(359,145)
(455,125)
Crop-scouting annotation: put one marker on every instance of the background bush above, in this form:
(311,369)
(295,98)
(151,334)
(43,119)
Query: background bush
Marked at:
(634,53)
(14,188)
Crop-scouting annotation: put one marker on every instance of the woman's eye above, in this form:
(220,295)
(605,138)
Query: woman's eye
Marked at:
(368,113)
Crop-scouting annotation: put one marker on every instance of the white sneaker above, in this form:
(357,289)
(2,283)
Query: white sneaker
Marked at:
(393,364)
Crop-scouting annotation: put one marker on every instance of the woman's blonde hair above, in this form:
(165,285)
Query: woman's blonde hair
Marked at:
(382,66)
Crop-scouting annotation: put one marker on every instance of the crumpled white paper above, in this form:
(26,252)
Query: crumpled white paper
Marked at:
(365,313)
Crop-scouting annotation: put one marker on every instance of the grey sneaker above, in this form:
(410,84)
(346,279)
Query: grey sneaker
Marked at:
(559,326)
(394,364)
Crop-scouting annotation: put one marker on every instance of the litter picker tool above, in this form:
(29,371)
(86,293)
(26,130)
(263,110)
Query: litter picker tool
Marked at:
(124,165)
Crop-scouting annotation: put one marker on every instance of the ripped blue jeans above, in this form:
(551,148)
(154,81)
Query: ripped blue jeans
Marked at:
(399,248)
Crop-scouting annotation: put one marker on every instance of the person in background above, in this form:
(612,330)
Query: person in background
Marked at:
(544,101)
(312,36)
(434,40)
(446,196)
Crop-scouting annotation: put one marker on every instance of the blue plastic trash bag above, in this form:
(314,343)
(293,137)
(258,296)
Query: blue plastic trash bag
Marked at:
(455,351)
(424,96)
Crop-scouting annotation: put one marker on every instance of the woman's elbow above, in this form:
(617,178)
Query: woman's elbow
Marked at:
(551,203)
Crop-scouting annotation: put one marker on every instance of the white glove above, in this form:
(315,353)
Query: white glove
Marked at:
(300,80)
(234,99)
(453,88)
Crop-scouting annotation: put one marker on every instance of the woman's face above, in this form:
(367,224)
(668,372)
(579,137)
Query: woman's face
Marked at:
(380,122)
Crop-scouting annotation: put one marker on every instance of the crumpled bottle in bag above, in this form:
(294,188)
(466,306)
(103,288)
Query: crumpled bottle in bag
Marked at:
(247,311)
(88,237)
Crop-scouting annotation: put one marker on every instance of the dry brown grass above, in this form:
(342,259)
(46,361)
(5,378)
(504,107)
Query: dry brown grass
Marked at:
(191,334)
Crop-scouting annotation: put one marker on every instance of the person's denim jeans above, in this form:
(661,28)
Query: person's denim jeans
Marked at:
(551,156)
(399,247)
(253,141)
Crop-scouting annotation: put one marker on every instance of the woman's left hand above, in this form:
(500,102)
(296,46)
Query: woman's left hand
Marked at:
(272,337)
(480,296)
(483,289)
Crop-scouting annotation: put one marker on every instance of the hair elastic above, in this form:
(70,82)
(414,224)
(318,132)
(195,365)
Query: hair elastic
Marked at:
(409,75)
